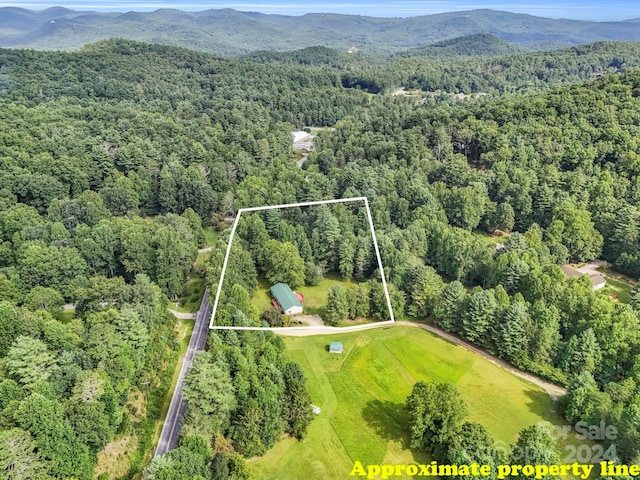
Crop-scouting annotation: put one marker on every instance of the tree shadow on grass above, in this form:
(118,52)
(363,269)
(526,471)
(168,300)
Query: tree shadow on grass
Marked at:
(540,403)
(390,420)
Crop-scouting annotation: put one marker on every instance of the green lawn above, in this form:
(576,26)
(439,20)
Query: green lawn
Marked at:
(210,236)
(490,238)
(201,261)
(621,290)
(620,285)
(362,394)
(315,298)
(262,297)
(192,298)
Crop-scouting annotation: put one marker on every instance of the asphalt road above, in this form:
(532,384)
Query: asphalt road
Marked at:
(171,428)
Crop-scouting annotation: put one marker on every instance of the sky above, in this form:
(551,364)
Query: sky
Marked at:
(597,10)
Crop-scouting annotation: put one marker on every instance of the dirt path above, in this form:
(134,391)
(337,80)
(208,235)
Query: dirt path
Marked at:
(311,320)
(183,316)
(302,160)
(590,268)
(554,391)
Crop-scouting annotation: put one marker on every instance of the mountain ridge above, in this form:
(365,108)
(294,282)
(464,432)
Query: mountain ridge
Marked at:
(231,32)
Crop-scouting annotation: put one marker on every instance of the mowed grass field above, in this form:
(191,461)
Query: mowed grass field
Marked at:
(315,297)
(621,285)
(362,393)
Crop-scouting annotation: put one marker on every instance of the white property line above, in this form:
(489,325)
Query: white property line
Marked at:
(303,204)
(322,329)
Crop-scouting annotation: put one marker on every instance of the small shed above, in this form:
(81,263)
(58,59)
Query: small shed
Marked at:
(336,347)
(286,299)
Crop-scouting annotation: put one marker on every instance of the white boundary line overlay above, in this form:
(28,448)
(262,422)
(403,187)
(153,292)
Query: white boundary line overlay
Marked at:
(319,328)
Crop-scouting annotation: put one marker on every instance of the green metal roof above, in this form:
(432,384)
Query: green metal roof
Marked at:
(285,296)
(335,346)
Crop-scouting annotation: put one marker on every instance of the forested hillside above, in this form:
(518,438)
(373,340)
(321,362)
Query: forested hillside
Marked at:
(459,66)
(478,45)
(114,157)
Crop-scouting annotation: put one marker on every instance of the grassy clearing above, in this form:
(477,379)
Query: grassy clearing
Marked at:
(210,236)
(490,238)
(362,396)
(201,262)
(621,290)
(192,297)
(262,296)
(115,459)
(315,297)
(620,285)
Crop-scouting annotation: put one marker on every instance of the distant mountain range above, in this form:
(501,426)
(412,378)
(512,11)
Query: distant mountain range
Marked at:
(230,32)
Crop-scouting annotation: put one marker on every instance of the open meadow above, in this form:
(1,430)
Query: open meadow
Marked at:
(315,297)
(362,393)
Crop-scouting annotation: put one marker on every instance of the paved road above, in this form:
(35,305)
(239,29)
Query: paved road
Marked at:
(554,391)
(171,428)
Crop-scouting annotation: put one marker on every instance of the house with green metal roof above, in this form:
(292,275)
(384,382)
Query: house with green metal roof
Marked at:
(336,347)
(286,299)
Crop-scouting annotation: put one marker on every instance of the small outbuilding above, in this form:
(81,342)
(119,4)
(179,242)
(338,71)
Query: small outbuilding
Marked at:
(286,299)
(336,347)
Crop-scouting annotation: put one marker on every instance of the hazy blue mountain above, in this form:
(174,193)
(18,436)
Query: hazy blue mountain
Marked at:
(230,32)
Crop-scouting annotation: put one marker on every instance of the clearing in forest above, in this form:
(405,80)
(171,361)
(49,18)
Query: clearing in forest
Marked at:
(301,251)
(362,392)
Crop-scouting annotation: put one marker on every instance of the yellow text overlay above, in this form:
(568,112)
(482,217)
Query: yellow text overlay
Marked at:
(575,470)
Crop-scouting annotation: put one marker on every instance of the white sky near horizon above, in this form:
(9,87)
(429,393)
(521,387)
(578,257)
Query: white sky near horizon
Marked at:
(596,10)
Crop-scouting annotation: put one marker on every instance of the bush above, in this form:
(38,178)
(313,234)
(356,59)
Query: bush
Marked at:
(272,316)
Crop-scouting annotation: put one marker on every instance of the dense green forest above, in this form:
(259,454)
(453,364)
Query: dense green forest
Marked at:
(115,157)
(474,64)
(300,246)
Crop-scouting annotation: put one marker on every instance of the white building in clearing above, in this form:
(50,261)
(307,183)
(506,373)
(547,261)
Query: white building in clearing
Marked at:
(597,279)
(302,140)
(289,302)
